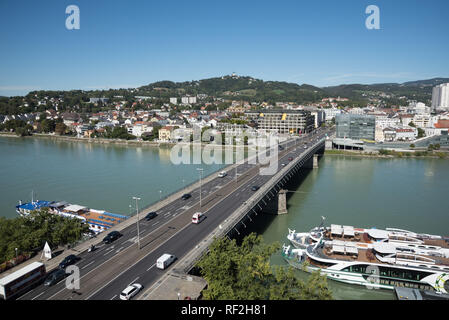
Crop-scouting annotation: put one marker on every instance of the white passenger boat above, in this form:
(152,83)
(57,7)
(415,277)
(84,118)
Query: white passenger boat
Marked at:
(381,259)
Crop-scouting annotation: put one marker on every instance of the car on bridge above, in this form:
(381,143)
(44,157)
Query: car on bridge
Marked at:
(290,158)
(112,236)
(69,260)
(54,277)
(130,291)
(186,196)
(150,216)
(198,217)
(165,260)
(222,174)
(254,188)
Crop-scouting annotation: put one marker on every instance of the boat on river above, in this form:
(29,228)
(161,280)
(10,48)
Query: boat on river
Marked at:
(98,220)
(381,259)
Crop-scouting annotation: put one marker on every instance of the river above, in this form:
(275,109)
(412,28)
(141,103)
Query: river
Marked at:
(99,176)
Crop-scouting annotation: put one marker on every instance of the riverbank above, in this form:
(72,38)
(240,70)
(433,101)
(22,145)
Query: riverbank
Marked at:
(105,141)
(385,154)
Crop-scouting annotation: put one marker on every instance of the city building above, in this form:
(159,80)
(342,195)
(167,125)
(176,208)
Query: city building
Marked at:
(174,100)
(96,100)
(440,97)
(283,121)
(188,100)
(357,127)
(331,113)
(165,133)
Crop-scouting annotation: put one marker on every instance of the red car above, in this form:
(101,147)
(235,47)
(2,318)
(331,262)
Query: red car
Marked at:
(290,159)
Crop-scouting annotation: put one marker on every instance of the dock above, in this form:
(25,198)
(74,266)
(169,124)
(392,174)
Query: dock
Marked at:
(417,294)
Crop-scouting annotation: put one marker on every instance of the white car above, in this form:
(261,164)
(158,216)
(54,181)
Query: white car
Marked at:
(198,217)
(130,291)
(222,174)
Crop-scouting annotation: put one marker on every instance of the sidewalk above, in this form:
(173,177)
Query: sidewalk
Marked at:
(176,286)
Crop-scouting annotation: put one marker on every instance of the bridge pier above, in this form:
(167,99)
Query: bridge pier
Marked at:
(312,163)
(282,202)
(277,204)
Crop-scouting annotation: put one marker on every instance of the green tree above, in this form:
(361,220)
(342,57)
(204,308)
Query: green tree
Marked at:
(421,133)
(244,273)
(30,233)
(60,128)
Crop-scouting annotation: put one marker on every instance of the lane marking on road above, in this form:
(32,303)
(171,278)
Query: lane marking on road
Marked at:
(38,295)
(87,265)
(145,256)
(113,297)
(151,267)
(133,281)
(155,223)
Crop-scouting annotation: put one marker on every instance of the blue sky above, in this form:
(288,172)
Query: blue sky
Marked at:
(136,42)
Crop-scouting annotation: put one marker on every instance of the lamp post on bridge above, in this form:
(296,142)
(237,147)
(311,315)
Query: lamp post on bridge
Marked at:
(138,233)
(201,182)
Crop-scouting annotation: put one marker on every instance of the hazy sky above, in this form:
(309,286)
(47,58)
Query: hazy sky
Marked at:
(136,42)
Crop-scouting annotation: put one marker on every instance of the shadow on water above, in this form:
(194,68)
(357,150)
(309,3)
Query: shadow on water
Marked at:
(262,221)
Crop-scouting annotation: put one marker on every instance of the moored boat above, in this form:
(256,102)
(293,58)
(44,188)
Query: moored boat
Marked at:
(381,259)
(98,220)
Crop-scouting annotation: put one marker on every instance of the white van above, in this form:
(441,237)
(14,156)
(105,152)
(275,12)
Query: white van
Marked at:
(165,260)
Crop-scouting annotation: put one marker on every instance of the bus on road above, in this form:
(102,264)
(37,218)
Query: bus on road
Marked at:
(22,280)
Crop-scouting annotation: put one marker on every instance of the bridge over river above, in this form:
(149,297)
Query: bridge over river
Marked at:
(229,203)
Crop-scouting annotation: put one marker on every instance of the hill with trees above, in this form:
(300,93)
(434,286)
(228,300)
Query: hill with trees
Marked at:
(227,87)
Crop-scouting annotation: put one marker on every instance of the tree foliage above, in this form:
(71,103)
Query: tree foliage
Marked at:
(30,233)
(244,273)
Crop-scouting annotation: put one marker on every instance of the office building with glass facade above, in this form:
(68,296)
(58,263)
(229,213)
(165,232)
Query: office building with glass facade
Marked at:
(354,126)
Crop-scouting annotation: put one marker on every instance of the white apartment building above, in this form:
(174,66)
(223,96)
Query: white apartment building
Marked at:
(385,122)
(356,111)
(174,100)
(139,128)
(422,120)
(420,108)
(192,100)
(188,100)
(440,97)
(379,134)
(331,113)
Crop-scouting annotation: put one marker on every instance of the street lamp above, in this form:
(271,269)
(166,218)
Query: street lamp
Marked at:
(201,182)
(138,234)
(16,253)
(160,195)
